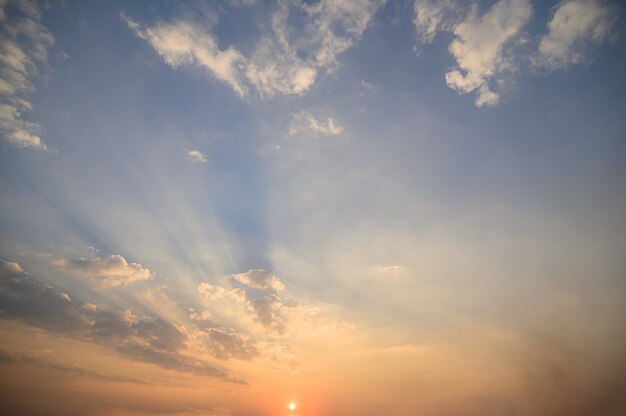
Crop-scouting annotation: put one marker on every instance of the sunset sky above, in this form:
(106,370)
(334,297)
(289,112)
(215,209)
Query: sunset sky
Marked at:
(313,208)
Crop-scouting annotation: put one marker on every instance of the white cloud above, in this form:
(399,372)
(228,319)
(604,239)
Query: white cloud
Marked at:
(211,292)
(433,16)
(288,57)
(23,41)
(479,48)
(214,292)
(576,26)
(185,43)
(109,271)
(307,123)
(197,156)
(259,279)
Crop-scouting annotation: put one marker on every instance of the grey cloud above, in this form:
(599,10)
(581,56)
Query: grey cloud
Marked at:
(267,312)
(225,344)
(13,358)
(149,339)
(560,379)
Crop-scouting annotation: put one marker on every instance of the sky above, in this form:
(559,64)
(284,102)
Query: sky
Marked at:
(353,207)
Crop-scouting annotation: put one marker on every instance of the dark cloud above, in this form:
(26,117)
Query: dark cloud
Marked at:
(225,344)
(267,311)
(148,339)
(13,358)
(563,380)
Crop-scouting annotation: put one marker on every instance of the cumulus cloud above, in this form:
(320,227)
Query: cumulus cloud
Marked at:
(305,122)
(144,338)
(24,41)
(575,27)
(289,56)
(267,310)
(109,271)
(479,48)
(214,292)
(197,156)
(259,279)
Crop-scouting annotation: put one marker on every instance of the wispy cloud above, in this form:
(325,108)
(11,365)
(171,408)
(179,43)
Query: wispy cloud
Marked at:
(287,59)
(305,122)
(573,30)
(24,41)
(185,43)
(434,16)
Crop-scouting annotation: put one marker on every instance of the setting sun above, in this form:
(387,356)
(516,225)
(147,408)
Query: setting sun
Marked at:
(292,406)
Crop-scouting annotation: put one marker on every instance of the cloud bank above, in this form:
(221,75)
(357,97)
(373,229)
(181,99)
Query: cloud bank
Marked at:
(148,339)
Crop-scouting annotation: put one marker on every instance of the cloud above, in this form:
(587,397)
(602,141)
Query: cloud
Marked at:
(145,338)
(433,16)
(479,48)
(301,41)
(214,292)
(224,344)
(13,358)
(289,58)
(259,279)
(23,41)
(186,43)
(575,27)
(109,271)
(304,122)
(268,312)
(197,156)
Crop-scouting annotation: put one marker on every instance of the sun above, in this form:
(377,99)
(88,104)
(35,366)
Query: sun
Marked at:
(292,406)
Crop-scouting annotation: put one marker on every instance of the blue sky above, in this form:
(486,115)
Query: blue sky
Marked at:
(266,192)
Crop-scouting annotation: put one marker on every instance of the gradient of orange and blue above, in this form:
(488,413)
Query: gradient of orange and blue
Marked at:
(313,207)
